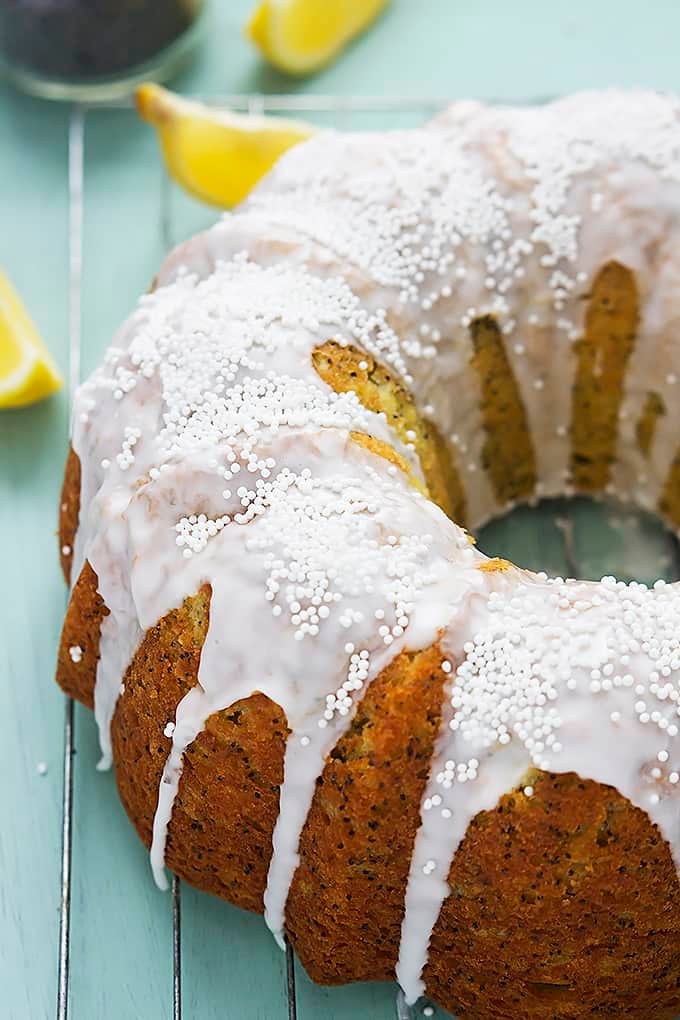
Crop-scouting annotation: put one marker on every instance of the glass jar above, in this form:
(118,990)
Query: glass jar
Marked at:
(94,50)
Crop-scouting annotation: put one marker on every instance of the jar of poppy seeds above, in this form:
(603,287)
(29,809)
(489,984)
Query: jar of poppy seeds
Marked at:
(95,50)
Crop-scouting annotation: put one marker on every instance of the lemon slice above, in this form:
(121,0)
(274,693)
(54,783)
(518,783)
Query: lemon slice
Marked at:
(27,372)
(215,154)
(299,36)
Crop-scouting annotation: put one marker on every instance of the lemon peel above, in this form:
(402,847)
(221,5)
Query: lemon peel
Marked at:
(300,36)
(216,155)
(27,371)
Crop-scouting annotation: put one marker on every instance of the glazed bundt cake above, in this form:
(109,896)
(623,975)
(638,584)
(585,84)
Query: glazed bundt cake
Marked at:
(322,702)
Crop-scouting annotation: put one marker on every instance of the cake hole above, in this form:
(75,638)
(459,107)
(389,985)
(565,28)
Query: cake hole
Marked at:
(585,538)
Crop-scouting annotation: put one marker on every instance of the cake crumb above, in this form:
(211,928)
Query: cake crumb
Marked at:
(495,565)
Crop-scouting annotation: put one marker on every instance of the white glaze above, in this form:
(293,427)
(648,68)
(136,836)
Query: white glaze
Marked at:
(562,669)
(393,243)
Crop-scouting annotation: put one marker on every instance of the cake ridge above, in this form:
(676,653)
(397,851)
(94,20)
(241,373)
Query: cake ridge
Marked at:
(213,452)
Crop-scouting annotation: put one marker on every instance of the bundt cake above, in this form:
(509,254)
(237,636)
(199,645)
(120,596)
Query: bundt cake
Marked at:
(322,702)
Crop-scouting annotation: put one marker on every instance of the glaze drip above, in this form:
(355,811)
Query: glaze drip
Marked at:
(559,676)
(213,452)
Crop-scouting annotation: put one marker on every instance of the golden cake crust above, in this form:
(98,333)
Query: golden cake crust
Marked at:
(562,907)
(378,389)
(561,903)
(69,508)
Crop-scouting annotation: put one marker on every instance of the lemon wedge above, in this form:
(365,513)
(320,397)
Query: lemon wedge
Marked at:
(215,154)
(27,372)
(299,36)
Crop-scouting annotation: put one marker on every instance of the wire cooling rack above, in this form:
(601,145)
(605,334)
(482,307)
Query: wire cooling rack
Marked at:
(338,111)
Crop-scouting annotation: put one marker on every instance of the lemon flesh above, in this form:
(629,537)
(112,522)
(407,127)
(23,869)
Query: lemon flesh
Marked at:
(216,155)
(27,372)
(299,36)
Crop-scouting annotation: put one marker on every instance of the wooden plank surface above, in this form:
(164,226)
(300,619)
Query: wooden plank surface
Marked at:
(121,959)
(122,926)
(32,599)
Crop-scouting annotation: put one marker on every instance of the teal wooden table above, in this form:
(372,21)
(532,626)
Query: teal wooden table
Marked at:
(121,926)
